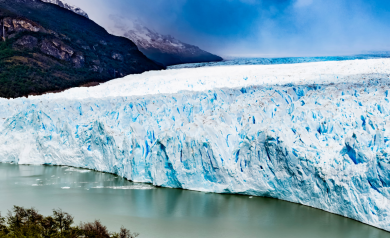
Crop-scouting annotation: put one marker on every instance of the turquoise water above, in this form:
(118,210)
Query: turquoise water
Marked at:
(162,212)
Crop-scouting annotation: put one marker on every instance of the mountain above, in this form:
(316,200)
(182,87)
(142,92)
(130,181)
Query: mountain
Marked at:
(164,49)
(48,48)
(161,48)
(67,6)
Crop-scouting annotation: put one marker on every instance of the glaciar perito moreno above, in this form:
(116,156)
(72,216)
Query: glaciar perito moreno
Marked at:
(317,134)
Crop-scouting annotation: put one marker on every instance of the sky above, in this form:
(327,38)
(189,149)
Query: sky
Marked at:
(258,28)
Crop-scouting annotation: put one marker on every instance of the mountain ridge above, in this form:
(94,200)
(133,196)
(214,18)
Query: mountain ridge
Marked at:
(165,49)
(68,6)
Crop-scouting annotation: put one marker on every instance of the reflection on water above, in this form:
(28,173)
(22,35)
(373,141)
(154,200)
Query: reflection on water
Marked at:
(162,212)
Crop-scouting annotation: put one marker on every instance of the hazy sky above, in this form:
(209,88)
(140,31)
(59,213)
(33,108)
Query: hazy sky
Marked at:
(259,27)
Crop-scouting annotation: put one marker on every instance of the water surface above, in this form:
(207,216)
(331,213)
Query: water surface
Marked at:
(167,213)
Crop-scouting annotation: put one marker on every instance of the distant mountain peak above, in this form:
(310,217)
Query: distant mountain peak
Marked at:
(165,49)
(68,6)
(145,37)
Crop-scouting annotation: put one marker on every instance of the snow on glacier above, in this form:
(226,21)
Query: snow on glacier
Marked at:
(284,60)
(314,133)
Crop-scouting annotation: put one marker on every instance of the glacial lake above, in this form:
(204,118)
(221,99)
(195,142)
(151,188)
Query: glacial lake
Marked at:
(167,213)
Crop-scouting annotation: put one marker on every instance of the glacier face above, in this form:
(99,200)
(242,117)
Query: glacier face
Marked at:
(317,134)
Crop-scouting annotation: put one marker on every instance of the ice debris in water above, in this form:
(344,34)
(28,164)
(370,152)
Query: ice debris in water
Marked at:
(133,186)
(314,133)
(78,170)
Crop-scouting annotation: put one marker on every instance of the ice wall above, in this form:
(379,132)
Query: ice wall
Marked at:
(316,134)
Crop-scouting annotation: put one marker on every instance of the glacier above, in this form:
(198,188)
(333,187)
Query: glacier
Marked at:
(283,60)
(317,134)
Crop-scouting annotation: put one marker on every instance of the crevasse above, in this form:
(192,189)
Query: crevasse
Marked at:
(315,134)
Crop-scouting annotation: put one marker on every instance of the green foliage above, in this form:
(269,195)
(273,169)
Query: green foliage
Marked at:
(28,223)
(24,79)
(25,72)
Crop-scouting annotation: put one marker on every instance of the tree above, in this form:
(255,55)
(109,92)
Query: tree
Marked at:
(3,227)
(63,219)
(94,230)
(125,233)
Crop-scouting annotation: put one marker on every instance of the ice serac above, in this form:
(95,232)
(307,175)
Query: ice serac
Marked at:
(317,134)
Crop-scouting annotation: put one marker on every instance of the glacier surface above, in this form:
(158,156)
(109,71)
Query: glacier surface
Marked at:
(284,60)
(317,134)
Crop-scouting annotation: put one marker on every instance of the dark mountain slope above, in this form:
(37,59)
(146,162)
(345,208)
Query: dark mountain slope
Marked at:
(48,48)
